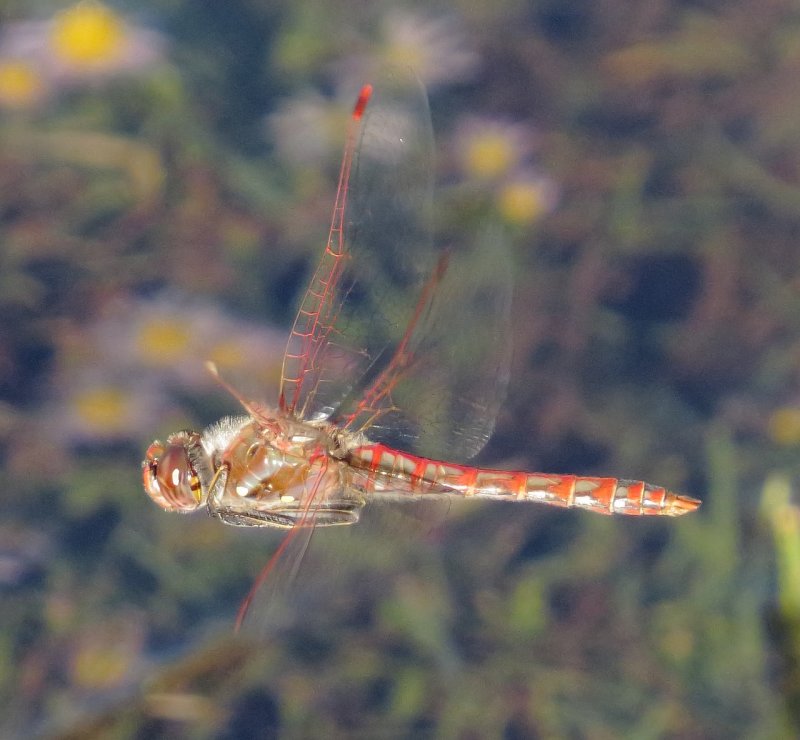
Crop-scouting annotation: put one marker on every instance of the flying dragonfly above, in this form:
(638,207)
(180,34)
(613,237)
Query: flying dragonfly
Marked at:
(393,372)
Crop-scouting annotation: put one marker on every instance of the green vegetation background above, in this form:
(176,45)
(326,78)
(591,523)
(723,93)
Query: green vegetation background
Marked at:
(656,334)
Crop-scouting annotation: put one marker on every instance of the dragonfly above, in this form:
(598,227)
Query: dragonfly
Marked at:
(393,372)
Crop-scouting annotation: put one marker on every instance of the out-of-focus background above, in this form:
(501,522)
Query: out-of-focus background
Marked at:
(166,179)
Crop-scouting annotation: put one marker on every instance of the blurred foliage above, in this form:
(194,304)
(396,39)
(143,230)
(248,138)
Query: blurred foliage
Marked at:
(645,162)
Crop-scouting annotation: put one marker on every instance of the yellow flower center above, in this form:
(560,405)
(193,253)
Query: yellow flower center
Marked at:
(103,409)
(162,341)
(87,34)
(226,354)
(784,426)
(489,155)
(20,85)
(102,665)
(522,202)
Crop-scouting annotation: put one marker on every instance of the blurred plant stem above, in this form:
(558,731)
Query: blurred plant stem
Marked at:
(727,618)
(175,694)
(783,519)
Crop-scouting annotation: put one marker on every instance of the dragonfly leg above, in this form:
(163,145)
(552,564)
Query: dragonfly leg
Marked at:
(217,489)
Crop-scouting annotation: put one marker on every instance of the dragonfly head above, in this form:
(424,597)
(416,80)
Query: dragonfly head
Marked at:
(175,474)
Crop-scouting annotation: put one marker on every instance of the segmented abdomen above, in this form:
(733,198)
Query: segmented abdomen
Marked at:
(390,470)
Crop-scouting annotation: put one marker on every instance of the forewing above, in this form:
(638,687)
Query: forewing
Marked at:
(440,393)
(399,336)
(378,252)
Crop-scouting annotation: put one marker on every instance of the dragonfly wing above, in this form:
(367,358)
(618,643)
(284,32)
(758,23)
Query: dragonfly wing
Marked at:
(400,336)
(268,605)
(379,249)
(317,583)
(439,396)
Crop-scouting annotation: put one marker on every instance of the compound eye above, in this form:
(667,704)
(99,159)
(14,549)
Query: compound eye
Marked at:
(169,477)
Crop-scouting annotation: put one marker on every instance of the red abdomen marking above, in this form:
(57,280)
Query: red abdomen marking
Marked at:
(399,472)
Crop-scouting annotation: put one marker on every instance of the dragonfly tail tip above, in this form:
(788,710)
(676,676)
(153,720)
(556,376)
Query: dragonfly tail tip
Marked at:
(678,504)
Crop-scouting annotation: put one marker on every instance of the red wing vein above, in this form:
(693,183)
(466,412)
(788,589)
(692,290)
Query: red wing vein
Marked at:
(403,356)
(305,348)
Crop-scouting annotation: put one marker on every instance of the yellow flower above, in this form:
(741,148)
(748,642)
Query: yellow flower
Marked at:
(490,149)
(162,341)
(105,655)
(523,201)
(100,666)
(489,155)
(102,409)
(21,86)
(88,34)
(85,42)
(784,426)
(98,407)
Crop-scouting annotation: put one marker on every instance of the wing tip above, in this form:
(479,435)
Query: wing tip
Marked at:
(362,102)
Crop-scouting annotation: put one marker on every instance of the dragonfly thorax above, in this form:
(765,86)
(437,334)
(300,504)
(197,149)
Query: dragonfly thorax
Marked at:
(282,480)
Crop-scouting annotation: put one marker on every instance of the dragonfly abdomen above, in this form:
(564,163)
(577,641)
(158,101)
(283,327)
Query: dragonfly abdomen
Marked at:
(423,476)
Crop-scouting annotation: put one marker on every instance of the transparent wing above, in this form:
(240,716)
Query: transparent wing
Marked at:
(439,393)
(319,575)
(399,336)
(315,364)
